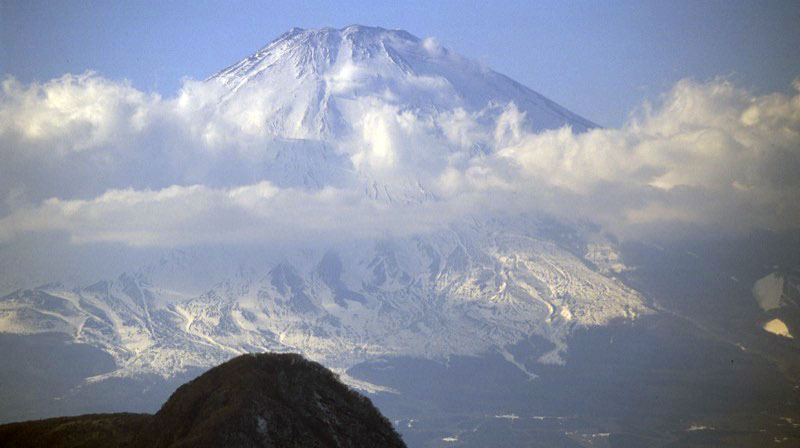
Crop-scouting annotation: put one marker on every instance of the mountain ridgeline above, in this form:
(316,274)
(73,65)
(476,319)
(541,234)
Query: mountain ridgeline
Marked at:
(313,78)
(471,322)
(263,400)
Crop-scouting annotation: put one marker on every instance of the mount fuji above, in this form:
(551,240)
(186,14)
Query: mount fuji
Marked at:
(309,81)
(464,290)
(480,288)
(321,95)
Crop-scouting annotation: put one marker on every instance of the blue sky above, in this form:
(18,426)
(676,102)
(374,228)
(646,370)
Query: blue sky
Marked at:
(141,155)
(599,59)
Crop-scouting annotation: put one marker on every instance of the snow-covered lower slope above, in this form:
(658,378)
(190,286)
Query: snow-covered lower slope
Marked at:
(465,291)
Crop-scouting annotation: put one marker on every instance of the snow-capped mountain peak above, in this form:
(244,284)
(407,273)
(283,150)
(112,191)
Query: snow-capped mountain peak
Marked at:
(326,103)
(315,83)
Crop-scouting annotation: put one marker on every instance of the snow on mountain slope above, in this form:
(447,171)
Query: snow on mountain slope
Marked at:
(378,110)
(460,292)
(466,290)
(309,82)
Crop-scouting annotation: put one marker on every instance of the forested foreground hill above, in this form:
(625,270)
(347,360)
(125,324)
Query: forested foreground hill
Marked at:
(264,400)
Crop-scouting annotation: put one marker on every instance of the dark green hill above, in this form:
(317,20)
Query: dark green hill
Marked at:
(265,400)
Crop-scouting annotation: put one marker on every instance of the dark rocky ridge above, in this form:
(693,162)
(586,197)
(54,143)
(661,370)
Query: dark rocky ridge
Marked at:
(264,400)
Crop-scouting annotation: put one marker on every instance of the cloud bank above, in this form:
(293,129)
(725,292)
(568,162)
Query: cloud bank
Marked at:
(99,161)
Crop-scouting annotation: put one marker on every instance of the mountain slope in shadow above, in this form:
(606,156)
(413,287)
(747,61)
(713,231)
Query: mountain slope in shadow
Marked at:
(263,400)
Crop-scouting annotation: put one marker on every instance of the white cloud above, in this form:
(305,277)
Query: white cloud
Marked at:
(71,113)
(196,214)
(100,161)
(433,47)
(710,152)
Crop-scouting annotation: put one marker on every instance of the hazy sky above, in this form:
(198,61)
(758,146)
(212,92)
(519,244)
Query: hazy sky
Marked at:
(599,59)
